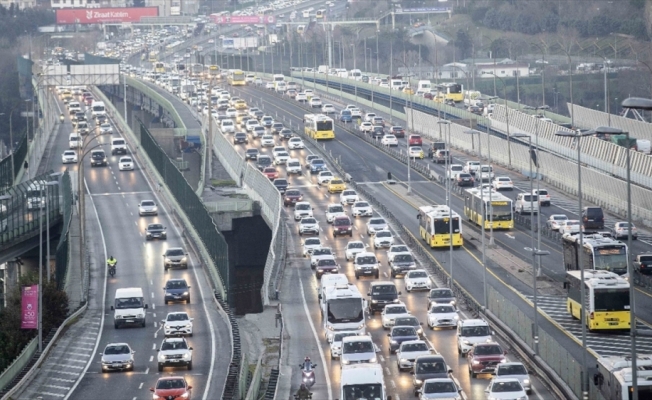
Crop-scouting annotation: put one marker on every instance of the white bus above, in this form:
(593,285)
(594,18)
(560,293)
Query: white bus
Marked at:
(342,309)
(97,109)
(614,377)
(363,381)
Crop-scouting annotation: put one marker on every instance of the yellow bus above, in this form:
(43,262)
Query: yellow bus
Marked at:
(159,67)
(153,56)
(499,212)
(319,126)
(214,71)
(435,223)
(607,296)
(454,91)
(320,14)
(236,78)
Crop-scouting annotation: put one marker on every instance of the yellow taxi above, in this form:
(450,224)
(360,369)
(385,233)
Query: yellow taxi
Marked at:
(408,90)
(241,114)
(240,104)
(415,152)
(336,185)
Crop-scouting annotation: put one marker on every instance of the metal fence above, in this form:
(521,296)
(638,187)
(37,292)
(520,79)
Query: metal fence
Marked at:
(6,180)
(63,248)
(192,206)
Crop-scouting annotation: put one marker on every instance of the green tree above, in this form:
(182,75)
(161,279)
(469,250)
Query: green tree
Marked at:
(463,43)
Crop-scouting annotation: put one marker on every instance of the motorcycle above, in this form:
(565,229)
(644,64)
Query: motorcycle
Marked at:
(111,270)
(308,373)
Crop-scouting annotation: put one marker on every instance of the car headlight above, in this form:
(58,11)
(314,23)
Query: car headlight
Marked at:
(418,381)
(403,359)
(184,259)
(161,357)
(155,397)
(522,398)
(504,360)
(187,356)
(374,301)
(185,395)
(345,361)
(395,301)
(456,317)
(186,294)
(167,260)
(361,326)
(526,381)
(392,341)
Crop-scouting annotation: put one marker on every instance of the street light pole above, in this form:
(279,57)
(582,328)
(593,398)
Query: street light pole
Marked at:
(484,217)
(509,142)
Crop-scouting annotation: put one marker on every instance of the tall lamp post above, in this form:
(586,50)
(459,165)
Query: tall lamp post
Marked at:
(448,204)
(40,268)
(509,142)
(578,136)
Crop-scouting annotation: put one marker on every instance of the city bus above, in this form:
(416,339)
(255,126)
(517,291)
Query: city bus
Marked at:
(435,226)
(320,14)
(153,56)
(501,215)
(600,253)
(318,126)
(214,71)
(236,78)
(159,67)
(454,91)
(607,297)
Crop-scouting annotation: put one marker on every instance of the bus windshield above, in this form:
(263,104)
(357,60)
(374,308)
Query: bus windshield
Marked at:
(325,125)
(610,258)
(345,310)
(611,300)
(501,212)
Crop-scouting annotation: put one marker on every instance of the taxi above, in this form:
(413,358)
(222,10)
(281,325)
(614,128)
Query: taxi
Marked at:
(408,90)
(336,185)
(240,104)
(415,152)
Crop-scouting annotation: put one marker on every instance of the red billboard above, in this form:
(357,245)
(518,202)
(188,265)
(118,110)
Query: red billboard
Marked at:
(29,307)
(243,19)
(104,15)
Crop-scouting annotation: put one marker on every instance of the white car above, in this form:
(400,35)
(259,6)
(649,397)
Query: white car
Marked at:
(281,158)
(309,94)
(250,124)
(486,173)
(502,182)
(314,102)
(417,279)
(366,127)
(454,170)
(389,140)
(302,209)
(471,167)
(334,210)
(396,249)
(391,312)
(352,248)
(278,149)
(231,112)
(569,226)
(293,166)
(368,117)
(301,97)
(269,85)
(320,253)
(267,141)
(147,207)
(348,197)
(336,343)
(355,112)
(69,156)
(415,152)
(505,388)
(295,143)
(408,352)
(126,164)
(106,128)
(324,177)
(555,220)
(361,209)
(258,131)
(515,370)
(309,245)
(177,323)
(174,352)
(383,238)
(328,109)
(308,225)
(442,316)
(376,224)
(440,388)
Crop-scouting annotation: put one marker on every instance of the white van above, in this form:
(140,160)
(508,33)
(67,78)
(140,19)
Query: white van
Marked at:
(74,141)
(357,350)
(331,280)
(98,108)
(129,307)
(293,166)
(74,106)
(527,203)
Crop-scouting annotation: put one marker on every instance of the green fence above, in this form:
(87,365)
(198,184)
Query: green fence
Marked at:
(6,179)
(191,205)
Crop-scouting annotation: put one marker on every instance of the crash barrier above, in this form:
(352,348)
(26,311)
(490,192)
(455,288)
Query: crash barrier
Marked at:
(234,385)
(598,188)
(6,179)
(62,253)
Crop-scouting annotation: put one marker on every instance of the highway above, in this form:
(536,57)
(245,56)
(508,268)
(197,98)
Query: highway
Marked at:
(115,196)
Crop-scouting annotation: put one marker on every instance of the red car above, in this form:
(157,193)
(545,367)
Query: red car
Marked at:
(415,140)
(89,100)
(484,358)
(171,387)
(270,172)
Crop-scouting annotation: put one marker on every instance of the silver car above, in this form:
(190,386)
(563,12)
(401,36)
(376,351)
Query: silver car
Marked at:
(175,257)
(376,224)
(439,388)
(147,207)
(515,370)
(117,357)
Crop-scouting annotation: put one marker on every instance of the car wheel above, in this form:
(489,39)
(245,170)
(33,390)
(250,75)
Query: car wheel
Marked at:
(407,289)
(473,374)
(160,368)
(459,350)
(143,324)
(358,277)
(116,325)
(377,275)
(351,234)
(190,366)
(166,302)
(188,300)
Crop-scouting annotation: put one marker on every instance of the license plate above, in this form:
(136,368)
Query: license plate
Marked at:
(613,323)
(129,320)
(117,365)
(174,360)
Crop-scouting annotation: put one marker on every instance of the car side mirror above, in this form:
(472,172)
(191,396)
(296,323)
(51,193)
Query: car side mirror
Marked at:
(189,287)
(486,390)
(133,351)
(151,389)
(421,323)
(389,335)
(368,294)
(493,332)
(493,373)
(505,352)
(399,293)
(112,308)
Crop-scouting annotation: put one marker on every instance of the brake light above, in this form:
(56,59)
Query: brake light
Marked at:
(591,315)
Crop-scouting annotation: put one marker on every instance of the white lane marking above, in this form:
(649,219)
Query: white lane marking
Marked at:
(387,371)
(152,294)
(153,346)
(141,385)
(536,391)
(510,236)
(153,306)
(97,340)
(151,358)
(147,371)
(314,332)
(155,324)
(392,384)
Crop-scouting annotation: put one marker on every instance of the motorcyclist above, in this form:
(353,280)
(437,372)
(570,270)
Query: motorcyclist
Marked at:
(303,392)
(61,117)
(111,262)
(307,364)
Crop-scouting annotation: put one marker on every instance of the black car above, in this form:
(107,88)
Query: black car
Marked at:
(378,132)
(240,137)
(464,179)
(100,119)
(156,231)
(176,290)
(263,161)
(281,185)
(251,154)
(400,334)
(277,127)
(79,116)
(98,157)
(401,264)
(429,367)
(380,294)
(440,295)
(285,134)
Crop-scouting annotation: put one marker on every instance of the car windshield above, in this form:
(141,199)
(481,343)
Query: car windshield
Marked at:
(403,258)
(382,234)
(308,221)
(155,226)
(361,204)
(406,321)
(440,293)
(326,263)
(414,347)
(341,222)
(336,182)
(348,193)
(322,251)
(432,367)
(128,302)
(383,289)
(510,386)
(269,170)
(418,274)
(280,182)
(335,209)
(180,284)
(317,161)
(559,217)
(404,331)
(475,331)
(487,350)
(516,369)
(366,260)
(396,310)
(290,193)
(120,349)
(302,207)
(355,245)
(365,346)
(376,221)
(164,384)
(174,345)
(174,252)
(178,317)
(368,391)
(439,387)
(125,159)
(312,242)
(325,173)
(441,308)
(339,336)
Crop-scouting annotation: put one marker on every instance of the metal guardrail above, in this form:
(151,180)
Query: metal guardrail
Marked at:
(229,205)
(10,373)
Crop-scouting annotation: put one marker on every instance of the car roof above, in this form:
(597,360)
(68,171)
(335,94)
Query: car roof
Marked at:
(474,322)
